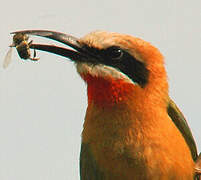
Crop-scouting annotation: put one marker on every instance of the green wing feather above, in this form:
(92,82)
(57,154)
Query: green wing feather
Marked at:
(181,123)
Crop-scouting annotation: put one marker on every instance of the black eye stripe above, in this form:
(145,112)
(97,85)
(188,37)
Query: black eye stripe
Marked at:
(123,61)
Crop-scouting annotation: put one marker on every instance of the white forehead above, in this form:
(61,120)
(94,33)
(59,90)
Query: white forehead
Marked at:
(104,39)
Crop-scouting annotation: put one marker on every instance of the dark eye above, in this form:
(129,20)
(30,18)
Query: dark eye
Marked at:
(114,52)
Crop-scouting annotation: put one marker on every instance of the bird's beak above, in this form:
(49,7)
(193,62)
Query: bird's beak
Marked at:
(78,53)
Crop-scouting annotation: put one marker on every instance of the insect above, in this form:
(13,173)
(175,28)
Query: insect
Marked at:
(20,41)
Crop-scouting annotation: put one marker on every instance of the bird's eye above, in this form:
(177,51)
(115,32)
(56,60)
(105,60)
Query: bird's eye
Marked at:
(114,52)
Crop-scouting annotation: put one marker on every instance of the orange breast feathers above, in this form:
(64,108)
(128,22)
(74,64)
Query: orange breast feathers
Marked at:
(125,130)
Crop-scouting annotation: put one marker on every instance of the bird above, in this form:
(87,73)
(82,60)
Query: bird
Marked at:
(132,130)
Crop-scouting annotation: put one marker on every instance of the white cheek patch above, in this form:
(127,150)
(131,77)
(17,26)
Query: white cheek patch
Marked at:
(101,70)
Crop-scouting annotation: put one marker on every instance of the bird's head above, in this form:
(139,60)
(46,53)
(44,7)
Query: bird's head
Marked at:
(121,62)
(123,57)
(112,64)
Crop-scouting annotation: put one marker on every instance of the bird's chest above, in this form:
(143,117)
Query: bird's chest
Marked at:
(120,157)
(116,143)
(117,160)
(133,145)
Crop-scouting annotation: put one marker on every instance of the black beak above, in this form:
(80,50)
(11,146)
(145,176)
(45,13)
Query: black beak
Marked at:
(79,54)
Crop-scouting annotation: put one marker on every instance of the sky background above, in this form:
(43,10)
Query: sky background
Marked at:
(43,104)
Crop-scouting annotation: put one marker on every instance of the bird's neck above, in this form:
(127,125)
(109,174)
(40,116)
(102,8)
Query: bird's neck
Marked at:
(112,92)
(108,93)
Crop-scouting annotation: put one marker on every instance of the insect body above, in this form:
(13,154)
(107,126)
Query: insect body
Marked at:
(20,41)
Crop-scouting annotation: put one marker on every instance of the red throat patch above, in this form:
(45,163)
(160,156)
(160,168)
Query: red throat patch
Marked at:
(107,92)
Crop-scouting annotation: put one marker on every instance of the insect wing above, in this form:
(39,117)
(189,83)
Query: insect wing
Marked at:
(8,58)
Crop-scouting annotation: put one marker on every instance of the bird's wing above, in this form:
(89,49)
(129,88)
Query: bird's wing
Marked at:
(88,166)
(181,123)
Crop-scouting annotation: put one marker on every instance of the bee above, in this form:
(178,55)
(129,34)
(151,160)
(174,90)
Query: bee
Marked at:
(20,42)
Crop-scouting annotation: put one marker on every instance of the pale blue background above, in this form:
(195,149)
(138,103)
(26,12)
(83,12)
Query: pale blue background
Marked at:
(42,105)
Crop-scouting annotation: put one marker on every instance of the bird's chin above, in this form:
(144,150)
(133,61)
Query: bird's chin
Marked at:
(101,71)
